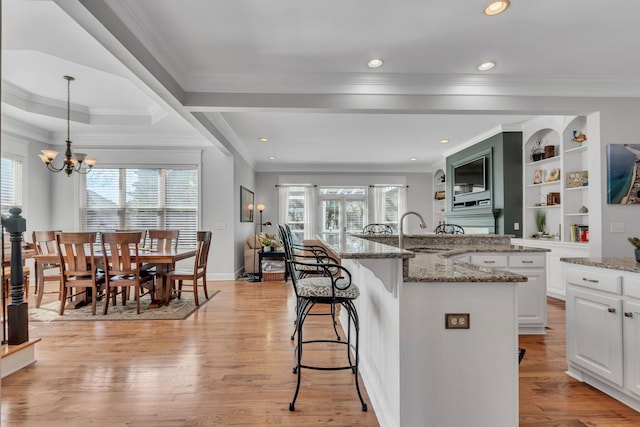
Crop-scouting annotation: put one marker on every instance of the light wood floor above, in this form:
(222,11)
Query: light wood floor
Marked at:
(230,364)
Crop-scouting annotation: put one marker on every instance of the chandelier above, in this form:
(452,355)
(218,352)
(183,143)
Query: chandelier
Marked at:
(72,161)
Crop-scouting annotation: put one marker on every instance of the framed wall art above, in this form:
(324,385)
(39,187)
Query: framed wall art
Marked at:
(246,205)
(623,177)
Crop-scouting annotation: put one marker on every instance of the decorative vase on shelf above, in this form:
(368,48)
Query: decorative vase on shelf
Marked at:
(537,152)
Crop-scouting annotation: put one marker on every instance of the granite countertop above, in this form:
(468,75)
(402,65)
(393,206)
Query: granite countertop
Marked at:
(620,263)
(437,265)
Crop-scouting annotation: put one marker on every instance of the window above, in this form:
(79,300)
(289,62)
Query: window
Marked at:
(388,202)
(11,170)
(342,208)
(140,199)
(295,211)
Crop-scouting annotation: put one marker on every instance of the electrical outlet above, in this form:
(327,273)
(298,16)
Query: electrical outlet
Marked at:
(516,226)
(456,321)
(221,226)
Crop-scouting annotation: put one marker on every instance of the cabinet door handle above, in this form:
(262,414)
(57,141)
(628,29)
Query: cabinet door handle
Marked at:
(527,262)
(589,280)
(489,262)
(611,310)
(628,314)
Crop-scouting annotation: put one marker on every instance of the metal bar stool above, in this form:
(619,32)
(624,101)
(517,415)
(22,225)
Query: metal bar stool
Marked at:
(335,288)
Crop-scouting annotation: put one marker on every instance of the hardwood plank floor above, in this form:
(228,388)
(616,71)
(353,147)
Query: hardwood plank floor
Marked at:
(230,364)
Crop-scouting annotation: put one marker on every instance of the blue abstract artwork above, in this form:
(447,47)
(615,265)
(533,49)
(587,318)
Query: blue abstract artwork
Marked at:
(623,175)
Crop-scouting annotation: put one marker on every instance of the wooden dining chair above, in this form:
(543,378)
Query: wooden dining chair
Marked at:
(199,270)
(44,243)
(78,267)
(143,236)
(164,240)
(122,270)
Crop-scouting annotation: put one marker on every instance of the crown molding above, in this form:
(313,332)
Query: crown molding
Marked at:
(24,130)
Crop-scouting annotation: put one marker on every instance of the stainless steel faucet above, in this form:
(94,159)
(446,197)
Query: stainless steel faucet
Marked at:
(401,233)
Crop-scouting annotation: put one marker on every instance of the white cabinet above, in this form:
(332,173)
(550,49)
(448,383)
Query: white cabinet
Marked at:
(532,302)
(595,342)
(603,330)
(556,286)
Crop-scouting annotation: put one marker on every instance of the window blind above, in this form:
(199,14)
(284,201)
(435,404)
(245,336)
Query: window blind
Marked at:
(11,186)
(142,199)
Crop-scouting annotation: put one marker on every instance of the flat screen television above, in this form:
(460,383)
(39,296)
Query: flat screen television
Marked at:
(470,177)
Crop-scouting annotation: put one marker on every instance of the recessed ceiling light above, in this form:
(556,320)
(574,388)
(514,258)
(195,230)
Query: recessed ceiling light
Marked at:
(263,139)
(375,63)
(413,159)
(486,66)
(444,141)
(272,157)
(496,7)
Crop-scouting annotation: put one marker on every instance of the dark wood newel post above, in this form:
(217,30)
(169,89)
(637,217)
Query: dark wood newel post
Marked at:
(18,312)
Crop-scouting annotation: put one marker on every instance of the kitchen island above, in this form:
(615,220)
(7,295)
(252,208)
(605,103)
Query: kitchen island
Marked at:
(419,368)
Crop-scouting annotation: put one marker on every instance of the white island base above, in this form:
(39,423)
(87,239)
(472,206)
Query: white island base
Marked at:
(416,372)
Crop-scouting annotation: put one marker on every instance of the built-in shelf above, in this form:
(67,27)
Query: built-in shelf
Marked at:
(543,161)
(542,184)
(543,207)
(584,187)
(576,149)
(570,162)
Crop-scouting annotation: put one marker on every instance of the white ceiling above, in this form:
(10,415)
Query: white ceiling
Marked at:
(295,72)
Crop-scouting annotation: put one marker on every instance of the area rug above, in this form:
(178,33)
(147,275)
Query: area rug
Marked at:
(178,309)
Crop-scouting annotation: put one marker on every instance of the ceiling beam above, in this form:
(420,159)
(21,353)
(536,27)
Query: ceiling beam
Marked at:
(390,104)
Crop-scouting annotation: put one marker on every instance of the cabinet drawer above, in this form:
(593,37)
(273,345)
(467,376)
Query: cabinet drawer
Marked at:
(594,279)
(632,286)
(489,260)
(526,261)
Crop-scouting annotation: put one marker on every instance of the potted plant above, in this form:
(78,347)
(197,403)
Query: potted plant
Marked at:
(541,221)
(635,241)
(266,245)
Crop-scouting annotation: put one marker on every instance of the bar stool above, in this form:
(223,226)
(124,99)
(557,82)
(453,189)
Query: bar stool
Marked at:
(316,256)
(333,288)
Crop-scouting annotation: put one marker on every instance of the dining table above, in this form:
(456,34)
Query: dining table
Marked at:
(164,261)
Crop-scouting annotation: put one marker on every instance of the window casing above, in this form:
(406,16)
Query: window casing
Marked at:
(141,199)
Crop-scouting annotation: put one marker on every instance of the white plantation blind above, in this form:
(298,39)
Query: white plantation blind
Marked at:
(11,186)
(142,199)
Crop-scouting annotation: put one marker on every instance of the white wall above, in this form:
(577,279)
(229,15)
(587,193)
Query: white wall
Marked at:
(218,214)
(243,175)
(618,125)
